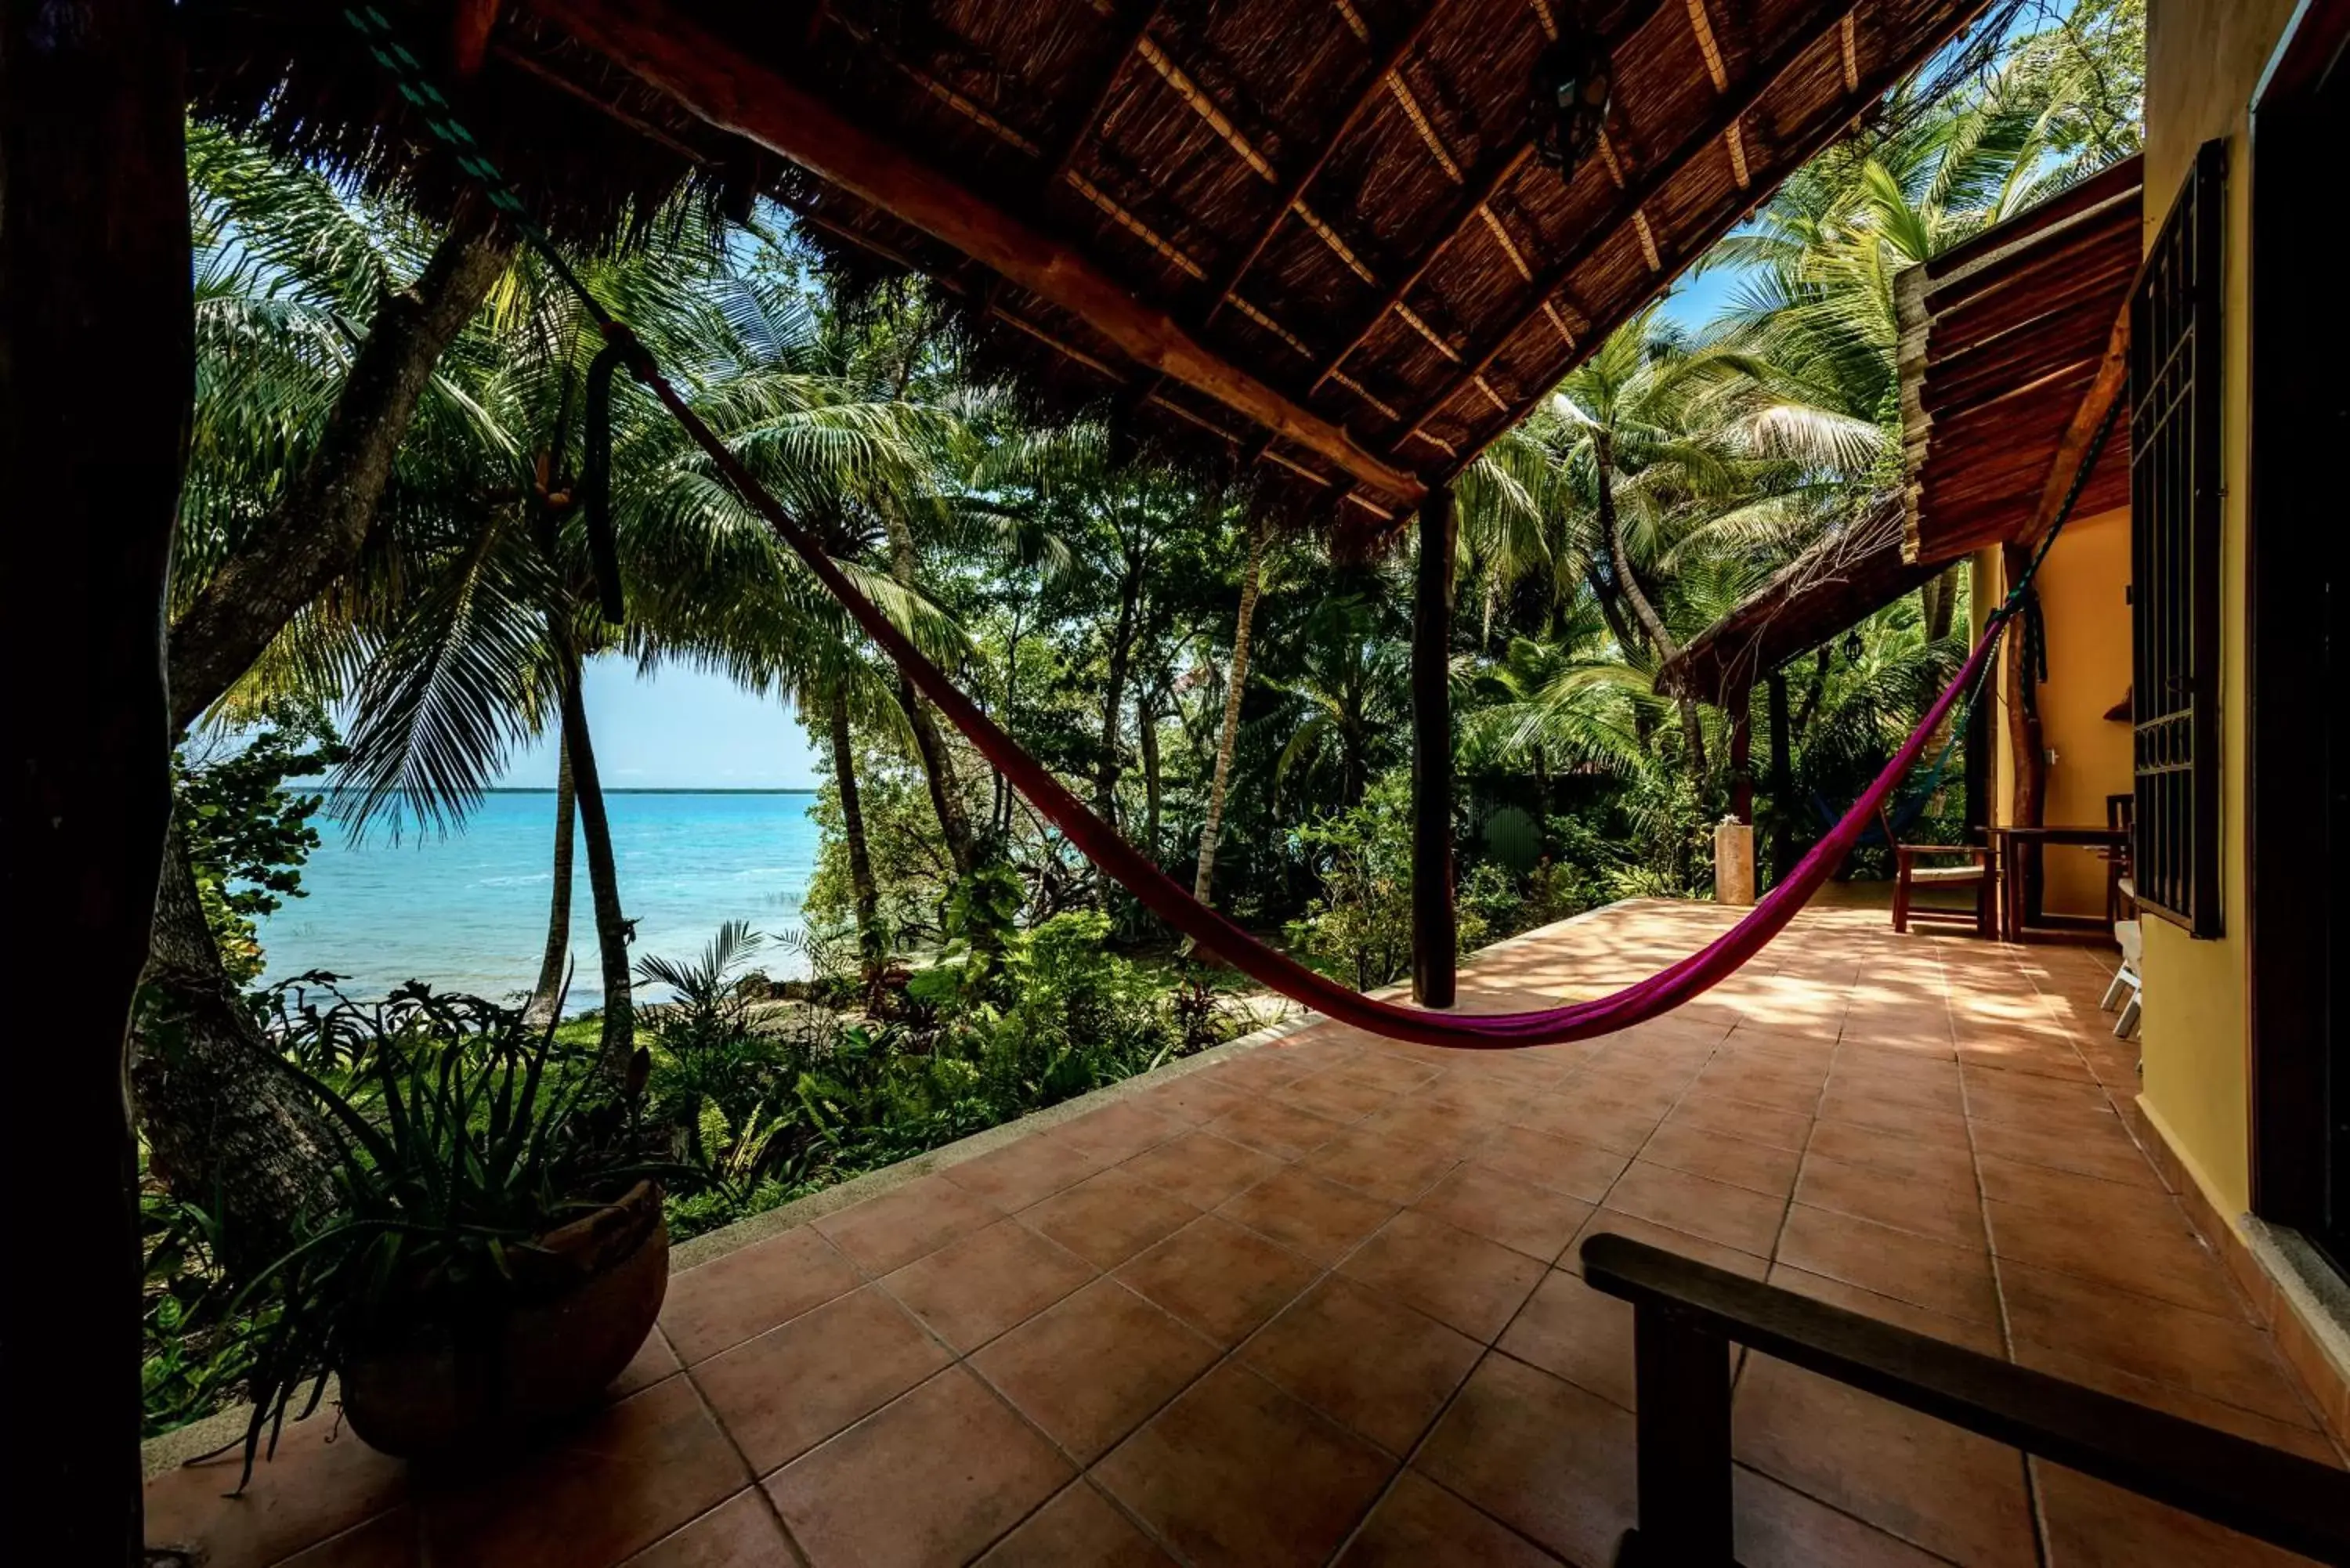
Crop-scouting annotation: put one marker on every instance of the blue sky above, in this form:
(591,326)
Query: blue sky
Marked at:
(680,728)
(1698,299)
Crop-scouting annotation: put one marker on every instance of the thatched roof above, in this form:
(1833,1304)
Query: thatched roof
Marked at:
(2012,349)
(1839,582)
(1308,241)
(2001,341)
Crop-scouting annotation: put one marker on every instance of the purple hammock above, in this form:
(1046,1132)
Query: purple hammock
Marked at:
(1172,902)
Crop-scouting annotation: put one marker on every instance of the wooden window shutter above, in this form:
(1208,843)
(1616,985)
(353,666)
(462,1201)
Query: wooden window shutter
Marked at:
(2177,347)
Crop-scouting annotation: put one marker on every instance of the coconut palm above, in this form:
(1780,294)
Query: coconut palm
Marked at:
(1816,300)
(1564,701)
(465,634)
(1228,731)
(320,322)
(319,319)
(1647,440)
(1345,688)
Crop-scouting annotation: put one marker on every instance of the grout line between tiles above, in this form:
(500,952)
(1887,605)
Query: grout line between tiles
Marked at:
(758,1481)
(2035,1506)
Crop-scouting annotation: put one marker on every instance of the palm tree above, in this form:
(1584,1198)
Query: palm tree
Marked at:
(1346,694)
(1564,701)
(1645,440)
(466,635)
(555,962)
(302,410)
(1228,732)
(320,321)
(1816,301)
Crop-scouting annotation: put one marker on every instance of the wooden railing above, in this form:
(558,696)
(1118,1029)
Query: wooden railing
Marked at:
(1687,1314)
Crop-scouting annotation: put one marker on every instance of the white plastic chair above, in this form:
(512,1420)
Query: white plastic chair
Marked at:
(2126,986)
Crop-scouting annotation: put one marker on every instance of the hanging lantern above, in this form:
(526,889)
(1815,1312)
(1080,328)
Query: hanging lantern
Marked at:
(1572,83)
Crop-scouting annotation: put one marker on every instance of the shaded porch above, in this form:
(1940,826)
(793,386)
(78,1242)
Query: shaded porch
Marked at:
(1317,1302)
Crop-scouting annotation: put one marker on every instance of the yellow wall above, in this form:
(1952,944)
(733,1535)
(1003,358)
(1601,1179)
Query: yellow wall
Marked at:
(2203,59)
(2083,593)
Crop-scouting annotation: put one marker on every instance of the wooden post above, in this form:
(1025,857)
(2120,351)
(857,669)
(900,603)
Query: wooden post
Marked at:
(1742,755)
(1680,1374)
(1782,775)
(97,373)
(2028,740)
(1434,928)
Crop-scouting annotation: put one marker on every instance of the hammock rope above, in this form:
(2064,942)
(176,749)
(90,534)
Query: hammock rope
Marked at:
(1676,984)
(1913,801)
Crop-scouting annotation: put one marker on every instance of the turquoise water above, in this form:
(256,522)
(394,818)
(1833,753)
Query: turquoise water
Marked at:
(468,911)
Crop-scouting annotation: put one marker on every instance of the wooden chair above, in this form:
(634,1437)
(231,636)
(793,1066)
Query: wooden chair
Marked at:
(2119,905)
(1914,867)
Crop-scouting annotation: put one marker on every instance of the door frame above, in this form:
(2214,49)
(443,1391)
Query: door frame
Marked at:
(2297,635)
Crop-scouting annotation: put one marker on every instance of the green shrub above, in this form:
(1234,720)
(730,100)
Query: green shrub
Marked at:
(1360,927)
(247,835)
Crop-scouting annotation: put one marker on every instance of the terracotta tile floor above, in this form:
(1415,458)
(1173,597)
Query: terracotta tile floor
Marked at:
(1318,1303)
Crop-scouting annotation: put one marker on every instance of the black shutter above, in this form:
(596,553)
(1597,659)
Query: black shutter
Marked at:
(2177,345)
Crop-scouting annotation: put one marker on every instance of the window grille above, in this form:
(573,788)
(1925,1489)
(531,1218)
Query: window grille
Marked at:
(2176,350)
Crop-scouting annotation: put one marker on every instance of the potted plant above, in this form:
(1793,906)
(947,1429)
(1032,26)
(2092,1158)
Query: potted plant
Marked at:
(496,1253)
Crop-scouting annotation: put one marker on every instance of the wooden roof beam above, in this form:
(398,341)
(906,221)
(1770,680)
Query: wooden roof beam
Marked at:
(1816,23)
(1293,193)
(672,52)
(2112,384)
(1484,190)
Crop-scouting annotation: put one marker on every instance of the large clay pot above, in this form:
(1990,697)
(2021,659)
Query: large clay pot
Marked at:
(586,1299)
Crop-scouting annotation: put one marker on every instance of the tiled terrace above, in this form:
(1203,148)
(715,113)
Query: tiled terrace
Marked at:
(1318,1302)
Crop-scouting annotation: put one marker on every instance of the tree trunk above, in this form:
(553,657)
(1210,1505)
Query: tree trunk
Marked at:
(1938,598)
(94,269)
(228,1128)
(1228,738)
(1610,609)
(555,964)
(223,1126)
(612,930)
(1818,691)
(313,534)
(1652,625)
(1122,654)
(999,815)
(863,890)
(1146,737)
(938,762)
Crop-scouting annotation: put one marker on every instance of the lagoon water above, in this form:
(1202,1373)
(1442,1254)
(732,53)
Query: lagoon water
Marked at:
(468,911)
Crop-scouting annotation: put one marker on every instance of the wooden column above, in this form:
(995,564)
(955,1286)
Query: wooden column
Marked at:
(96,371)
(1434,928)
(1782,775)
(1742,755)
(2029,742)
